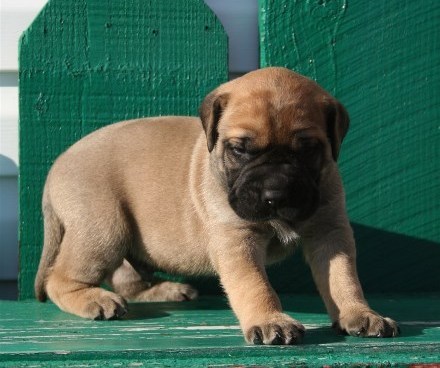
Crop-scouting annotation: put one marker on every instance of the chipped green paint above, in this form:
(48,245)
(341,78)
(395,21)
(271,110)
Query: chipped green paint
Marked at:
(206,333)
(381,59)
(88,63)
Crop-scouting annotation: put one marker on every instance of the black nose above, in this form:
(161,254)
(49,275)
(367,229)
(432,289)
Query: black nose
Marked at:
(272,197)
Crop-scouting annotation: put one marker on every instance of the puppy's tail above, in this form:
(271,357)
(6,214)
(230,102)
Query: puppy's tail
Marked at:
(53,235)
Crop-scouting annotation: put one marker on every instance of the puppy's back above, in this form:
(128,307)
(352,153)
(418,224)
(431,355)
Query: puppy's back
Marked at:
(131,166)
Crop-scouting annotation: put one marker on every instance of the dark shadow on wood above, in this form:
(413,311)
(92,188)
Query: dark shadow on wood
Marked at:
(387,263)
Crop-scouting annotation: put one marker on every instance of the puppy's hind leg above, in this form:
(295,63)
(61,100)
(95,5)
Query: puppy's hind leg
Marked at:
(87,255)
(127,282)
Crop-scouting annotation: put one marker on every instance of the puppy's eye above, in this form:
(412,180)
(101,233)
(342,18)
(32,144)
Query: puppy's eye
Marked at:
(307,146)
(238,150)
(308,143)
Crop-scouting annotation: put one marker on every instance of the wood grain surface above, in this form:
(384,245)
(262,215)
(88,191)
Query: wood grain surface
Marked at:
(88,63)
(381,59)
(206,333)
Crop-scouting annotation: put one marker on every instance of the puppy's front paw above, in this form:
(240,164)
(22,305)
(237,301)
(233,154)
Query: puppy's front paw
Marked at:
(366,324)
(105,305)
(279,329)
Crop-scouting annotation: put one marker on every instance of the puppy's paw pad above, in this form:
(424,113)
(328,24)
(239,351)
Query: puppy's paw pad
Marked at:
(367,324)
(281,330)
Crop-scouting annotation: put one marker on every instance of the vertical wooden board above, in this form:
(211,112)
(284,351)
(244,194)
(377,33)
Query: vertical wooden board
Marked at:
(88,63)
(381,59)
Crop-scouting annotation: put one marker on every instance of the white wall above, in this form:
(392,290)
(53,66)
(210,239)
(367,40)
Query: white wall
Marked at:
(15,16)
(239,18)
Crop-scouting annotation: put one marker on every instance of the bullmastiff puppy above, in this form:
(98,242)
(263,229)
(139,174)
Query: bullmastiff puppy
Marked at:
(209,195)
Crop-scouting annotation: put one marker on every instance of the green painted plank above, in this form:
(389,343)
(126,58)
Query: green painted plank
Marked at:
(205,332)
(381,59)
(88,63)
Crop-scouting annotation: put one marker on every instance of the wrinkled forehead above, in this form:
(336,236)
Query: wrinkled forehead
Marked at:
(272,119)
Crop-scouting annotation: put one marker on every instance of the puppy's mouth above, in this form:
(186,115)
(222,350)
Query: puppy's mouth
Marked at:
(286,195)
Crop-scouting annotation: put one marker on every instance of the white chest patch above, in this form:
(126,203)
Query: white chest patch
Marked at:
(285,233)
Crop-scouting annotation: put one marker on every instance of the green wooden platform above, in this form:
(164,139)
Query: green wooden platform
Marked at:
(206,333)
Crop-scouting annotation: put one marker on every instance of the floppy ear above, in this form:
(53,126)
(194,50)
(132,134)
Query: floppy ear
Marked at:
(210,113)
(338,122)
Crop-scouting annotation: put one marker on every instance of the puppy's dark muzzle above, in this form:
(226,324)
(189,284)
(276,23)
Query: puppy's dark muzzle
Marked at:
(275,191)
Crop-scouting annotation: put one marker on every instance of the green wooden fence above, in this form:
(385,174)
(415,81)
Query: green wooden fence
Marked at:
(87,63)
(382,60)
